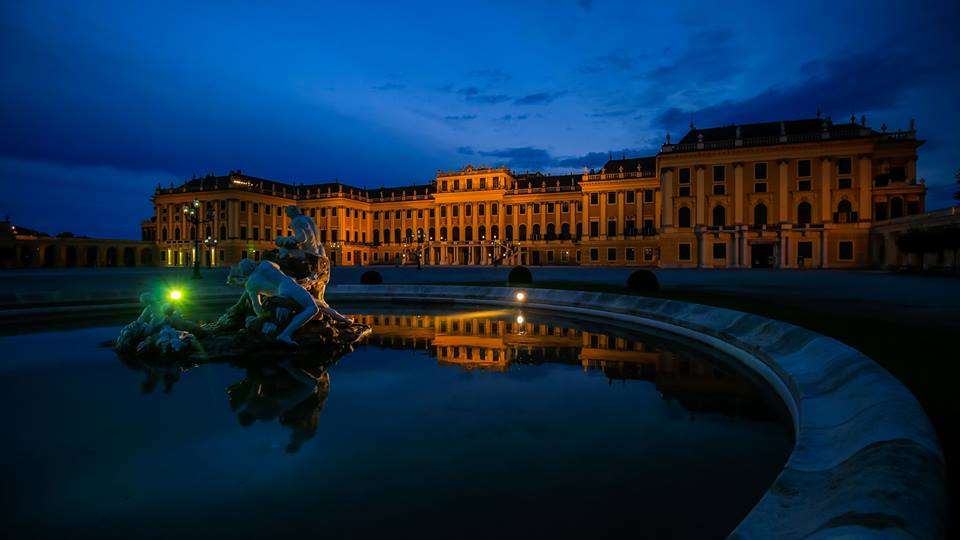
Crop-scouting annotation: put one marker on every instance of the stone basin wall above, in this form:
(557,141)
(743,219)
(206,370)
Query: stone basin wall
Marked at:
(866,461)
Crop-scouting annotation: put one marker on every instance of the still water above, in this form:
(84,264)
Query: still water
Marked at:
(447,423)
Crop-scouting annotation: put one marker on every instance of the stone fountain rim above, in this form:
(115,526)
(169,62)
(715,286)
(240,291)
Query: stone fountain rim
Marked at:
(866,461)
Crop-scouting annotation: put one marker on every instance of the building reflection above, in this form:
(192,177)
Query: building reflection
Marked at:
(496,340)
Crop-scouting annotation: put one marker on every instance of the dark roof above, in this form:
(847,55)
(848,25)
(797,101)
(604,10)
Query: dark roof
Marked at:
(537,179)
(397,191)
(647,164)
(773,129)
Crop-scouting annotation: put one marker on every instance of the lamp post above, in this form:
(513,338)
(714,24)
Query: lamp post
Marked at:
(192,214)
(211,244)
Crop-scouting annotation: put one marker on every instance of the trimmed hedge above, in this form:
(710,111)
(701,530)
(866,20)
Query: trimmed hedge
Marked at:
(519,275)
(371,277)
(643,280)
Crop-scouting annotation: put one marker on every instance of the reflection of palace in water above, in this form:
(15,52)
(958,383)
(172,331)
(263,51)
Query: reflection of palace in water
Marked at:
(492,341)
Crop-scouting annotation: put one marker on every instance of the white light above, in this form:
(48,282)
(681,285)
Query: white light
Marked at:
(519,319)
(521,296)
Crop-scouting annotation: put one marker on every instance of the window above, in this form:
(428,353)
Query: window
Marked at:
(522,232)
(494,208)
(243,206)
(469,183)
(760,187)
(443,185)
(419,213)
(804,213)
(334,235)
(594,198)
(719,216)
(483,183)
(243,233)
(880,211)
(409,214)
(803,168)
(719,173)
(565,208)
(804,185)
(913,207)
(631,197)
(611,254)
(648,196)
(594,254)
(719,189)
(522,208)
(323,212)
(760,214)
(267,208)
(266,233)
(684,176)
(333,212)
(648,254)
(896,207)
(456,210)
(684,191)
(594,229)
(805,250)
(536,208)
(443,211)
(683,217)
(759,171)
(844,183)
(611,227)
(845,166)
(845,252)
(433,212)
(551,208)
(611,197)
(630,254)
(720,250)
(481,209)
(456,185)
(683,252)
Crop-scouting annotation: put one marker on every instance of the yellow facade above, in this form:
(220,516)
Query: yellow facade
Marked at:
(787,195)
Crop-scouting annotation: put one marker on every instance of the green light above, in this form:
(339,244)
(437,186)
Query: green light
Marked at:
(175,294)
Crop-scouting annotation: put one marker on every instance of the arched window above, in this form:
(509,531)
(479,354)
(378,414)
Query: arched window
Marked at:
(719,216)
(420,237)
(896,207)
(433,234)
(564,231)
(396,236)
(164,234)
(536,231)
(467,210)
(844,212)
(551,231)
(482,232)
(804,213)
(443,234)
(223,232)
(760,214)
(386,236)
(494,232)
(522,233)
(409,235)
(376,236)
(509,232)
(456,234)
(468,233)
(176,233)
(683,217)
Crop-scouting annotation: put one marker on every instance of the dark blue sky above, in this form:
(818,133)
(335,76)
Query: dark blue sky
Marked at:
(99,101)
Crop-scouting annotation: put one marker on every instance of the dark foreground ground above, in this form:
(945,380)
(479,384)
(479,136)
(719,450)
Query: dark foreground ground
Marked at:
(910,324)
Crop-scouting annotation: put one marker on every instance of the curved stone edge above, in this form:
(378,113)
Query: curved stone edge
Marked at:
(866,461)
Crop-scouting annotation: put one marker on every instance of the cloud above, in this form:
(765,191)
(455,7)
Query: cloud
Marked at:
(856,83)
(465,150)
(598,159)
(526,157)
(469,91)
(540,98)
(489,99)
(490,75)
(387,86)
(509,117)
(460,117)
(610,114)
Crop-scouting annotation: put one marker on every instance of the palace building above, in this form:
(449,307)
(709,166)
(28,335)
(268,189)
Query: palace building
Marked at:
(802,193)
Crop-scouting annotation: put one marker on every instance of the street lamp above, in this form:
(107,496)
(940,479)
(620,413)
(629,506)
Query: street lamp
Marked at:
(211,244)
(192,214)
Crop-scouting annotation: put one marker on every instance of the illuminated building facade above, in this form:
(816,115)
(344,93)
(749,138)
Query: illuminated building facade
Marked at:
(790,194)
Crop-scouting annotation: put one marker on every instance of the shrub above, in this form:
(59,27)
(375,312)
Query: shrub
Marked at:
(519,275)
(643,280)
(371,277)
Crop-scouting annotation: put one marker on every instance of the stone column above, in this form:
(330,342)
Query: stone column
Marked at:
(666,194)
(738,193)
(620,221)
(784,256)
(824,250)
(233,219)
(701,247)
(744,259)
(701,197)
(783,212)
(865,181)
(826,183)
(602,199)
